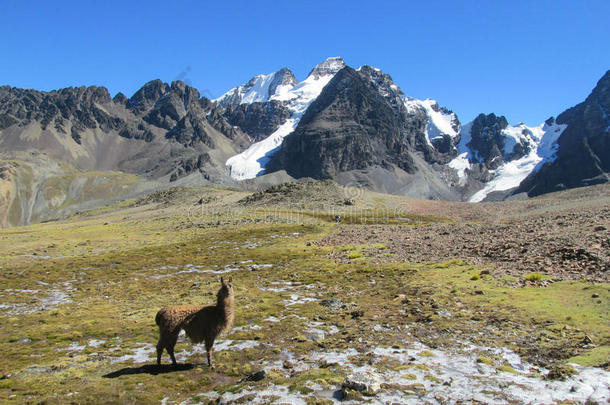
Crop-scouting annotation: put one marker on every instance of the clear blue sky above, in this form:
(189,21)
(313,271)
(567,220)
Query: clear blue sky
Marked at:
(527,60)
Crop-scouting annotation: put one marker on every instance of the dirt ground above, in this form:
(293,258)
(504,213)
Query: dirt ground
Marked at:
(565,236)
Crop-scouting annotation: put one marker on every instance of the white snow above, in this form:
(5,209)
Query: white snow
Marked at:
(509,175)
(96,342)
(260,90)
(296,299)
(458,377)
(256,90)
(251,162)
(141,354)
(547,146)
(462,162)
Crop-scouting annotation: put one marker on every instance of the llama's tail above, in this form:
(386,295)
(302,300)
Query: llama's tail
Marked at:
(158,318)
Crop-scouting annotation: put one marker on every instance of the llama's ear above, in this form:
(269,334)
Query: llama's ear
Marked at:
(230,279)
(222,281)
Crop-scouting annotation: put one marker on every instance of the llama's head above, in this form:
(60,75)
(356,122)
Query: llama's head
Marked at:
(226,289)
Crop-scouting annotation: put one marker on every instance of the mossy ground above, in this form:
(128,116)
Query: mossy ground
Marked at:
(119,266)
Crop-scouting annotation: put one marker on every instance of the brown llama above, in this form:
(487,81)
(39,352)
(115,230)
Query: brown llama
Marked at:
(201,323)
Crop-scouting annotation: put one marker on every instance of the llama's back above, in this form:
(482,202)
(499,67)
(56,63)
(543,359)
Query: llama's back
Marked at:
(170,318)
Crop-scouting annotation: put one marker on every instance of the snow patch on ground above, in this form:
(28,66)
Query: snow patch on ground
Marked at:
(433,376)
(141,354)
(196,268)
(296,299)
(42,300)
(146,352)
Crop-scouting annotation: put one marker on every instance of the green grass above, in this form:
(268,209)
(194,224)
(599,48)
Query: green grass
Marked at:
(534,277)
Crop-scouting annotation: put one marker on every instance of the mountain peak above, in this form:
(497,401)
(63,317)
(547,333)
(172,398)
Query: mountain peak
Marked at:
(260,88)
(329,67)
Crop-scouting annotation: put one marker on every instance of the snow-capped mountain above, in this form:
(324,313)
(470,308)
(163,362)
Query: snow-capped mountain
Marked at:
(484,156)
(260,88)
(523,149)
(471,162)
(441,128)
(296,99)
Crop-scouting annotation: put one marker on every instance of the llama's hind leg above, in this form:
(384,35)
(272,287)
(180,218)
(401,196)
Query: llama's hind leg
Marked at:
(160,347)
(171,343)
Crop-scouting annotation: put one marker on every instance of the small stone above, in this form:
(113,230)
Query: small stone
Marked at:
(368,382)
(332,303)
(287,364)
(596,295)
(479,292)
(443,313)
(257,376)
(314,335)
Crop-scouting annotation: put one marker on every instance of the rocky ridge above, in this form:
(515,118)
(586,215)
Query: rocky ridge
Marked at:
(583,149)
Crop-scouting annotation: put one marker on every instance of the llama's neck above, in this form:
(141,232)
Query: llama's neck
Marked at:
(225,306)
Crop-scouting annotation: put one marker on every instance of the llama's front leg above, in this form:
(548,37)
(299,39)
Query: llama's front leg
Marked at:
(209,344)
(209,353)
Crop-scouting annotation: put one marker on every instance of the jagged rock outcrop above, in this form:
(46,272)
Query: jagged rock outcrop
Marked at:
(258,120)
(583,149)
(487,139)
(157,111)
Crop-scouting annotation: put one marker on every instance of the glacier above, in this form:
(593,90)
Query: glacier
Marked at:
(543,142)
